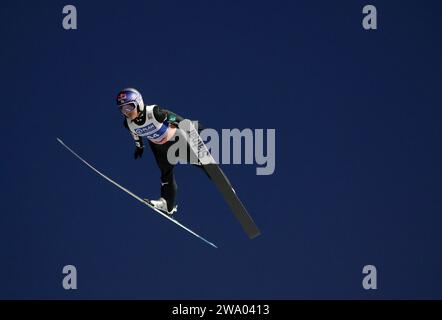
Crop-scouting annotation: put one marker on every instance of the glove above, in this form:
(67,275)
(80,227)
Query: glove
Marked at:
(138,152)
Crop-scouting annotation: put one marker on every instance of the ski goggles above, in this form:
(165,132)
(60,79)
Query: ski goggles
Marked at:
(127,108)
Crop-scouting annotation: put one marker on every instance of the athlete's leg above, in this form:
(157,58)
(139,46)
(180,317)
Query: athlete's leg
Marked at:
(168,183)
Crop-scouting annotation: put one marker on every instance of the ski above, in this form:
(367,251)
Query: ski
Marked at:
(236,206)
(221,181)
(135,196)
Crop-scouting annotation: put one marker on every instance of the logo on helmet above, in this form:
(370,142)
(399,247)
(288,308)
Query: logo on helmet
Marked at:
(121,97)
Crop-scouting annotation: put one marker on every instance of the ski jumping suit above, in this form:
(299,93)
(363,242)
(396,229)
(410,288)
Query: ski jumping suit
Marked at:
(159,126)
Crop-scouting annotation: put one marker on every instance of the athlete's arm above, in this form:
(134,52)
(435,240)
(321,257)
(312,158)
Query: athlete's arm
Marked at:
(139,148)
(162,115)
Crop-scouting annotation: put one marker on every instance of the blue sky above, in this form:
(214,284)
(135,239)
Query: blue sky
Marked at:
(358,159)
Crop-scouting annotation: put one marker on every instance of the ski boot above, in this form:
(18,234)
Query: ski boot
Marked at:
(161,204)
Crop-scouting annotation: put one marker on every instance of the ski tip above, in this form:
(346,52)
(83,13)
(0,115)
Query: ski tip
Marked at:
(211,244)
(59,140)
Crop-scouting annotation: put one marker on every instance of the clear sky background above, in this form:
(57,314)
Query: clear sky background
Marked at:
(358,149)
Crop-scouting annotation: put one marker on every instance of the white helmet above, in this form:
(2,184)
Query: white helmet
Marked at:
(128,99)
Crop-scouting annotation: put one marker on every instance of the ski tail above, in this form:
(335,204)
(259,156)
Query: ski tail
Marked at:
(133,194)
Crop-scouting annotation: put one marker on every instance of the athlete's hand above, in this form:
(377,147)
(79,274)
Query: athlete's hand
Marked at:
(138,152)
